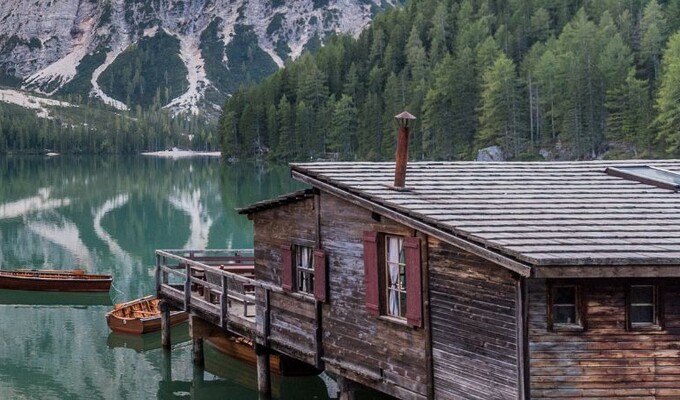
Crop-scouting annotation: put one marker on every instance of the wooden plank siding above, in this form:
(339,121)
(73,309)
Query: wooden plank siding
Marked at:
(375,351)
(474,332)
(605,360)
(292,315)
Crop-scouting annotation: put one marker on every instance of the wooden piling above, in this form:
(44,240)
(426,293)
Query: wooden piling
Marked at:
(347,389)
(264,386)
(165,325)
(197,351)
(166,367)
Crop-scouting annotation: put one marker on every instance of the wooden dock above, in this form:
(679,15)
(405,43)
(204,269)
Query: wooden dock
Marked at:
(217,285)
(219,290)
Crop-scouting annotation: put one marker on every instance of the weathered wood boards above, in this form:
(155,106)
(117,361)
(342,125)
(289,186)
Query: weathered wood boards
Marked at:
(605,359)
(473,311)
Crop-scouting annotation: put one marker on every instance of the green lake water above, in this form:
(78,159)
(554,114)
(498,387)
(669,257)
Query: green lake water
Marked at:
(108,215)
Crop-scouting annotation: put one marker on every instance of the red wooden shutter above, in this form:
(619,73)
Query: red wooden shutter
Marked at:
(320,275)
(414,296)
(287,267)
(371,272)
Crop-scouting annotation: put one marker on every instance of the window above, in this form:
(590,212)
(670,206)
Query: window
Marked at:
(304,269)
(658,177)
(392,268)
(565,309)
(643,309)
(395,277)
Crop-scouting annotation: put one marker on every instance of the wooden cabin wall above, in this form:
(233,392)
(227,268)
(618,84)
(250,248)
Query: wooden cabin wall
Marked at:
(382,354)
(604,360)
(292,315)
(474,326)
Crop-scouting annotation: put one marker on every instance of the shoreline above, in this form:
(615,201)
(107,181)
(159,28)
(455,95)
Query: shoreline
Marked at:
(176,153)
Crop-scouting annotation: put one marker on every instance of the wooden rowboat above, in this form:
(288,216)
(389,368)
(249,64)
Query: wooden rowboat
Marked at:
(54,280)
(140,316)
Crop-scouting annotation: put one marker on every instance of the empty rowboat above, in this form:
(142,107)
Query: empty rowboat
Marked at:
(54,280)
(140,316)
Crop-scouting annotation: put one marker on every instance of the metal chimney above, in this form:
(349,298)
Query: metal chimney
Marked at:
(403,121)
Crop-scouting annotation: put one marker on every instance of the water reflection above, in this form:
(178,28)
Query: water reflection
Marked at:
(55,299)
(65,234)
(40,202)
(149,341)
(108,214)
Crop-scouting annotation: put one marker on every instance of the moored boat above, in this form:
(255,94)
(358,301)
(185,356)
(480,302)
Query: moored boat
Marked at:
(140,316)
(54,280)
(242,349)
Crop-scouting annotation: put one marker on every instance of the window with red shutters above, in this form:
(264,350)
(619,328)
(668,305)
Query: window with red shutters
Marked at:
(401,283)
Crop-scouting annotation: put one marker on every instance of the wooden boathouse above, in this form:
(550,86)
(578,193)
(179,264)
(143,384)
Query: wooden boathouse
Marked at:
(459,280)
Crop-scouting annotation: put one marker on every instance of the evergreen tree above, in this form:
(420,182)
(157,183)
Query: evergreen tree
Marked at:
(500,115)
(668,119)
(343,138)
(653,29)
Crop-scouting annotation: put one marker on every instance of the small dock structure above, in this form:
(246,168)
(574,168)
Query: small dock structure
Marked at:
(217,285)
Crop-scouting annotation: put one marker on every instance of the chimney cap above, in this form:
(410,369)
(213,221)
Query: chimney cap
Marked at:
(404,115)
(403,118)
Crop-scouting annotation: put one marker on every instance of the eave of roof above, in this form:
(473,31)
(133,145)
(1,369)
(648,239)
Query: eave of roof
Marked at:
(277,201)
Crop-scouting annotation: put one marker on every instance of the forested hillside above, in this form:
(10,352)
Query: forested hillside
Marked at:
(560,79)
(95,129)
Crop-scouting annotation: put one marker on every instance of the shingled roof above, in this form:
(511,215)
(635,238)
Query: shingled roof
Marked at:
(540,213)
(277,201)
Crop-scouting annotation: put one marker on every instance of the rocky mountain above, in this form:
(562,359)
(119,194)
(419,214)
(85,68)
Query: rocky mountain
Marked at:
(185,55)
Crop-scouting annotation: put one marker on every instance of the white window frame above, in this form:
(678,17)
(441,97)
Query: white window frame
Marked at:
(394,293)
(303,262)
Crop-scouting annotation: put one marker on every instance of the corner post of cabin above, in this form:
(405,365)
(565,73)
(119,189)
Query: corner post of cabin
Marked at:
(264,386)
(425,279)
(522,326)
(165,325)
(318,306)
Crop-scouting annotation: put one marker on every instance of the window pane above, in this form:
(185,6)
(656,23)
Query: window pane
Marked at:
(642,294)
(565,295)
(402,303)
(304,268)
(564,314)
(642,314)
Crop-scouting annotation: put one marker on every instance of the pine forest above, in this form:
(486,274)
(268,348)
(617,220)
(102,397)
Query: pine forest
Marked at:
(541,79)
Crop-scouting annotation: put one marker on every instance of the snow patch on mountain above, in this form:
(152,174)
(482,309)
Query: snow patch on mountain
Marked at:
(44,42)
(39,104)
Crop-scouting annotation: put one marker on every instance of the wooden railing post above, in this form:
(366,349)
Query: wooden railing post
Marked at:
(187,288)
(158,274)
(224,303)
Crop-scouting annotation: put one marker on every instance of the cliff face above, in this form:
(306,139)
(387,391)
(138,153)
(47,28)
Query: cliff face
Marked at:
(90,47)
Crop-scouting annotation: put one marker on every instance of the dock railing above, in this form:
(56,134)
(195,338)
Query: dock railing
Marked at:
(219,284)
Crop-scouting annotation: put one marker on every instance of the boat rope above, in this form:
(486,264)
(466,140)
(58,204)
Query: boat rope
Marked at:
(116,289)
